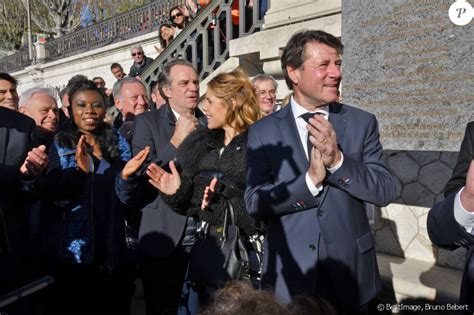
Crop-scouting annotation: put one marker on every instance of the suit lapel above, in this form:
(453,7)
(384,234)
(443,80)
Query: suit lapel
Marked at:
(291,137)
(338,120)
(3,143)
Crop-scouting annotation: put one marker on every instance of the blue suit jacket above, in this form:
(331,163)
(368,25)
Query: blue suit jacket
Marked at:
(443,229)
(277,193)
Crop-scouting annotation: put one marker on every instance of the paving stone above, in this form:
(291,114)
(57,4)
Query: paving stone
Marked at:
(403,224)
(420,249)
(449,158)
(418,195)
(424,157)
(403,167)
(434,176)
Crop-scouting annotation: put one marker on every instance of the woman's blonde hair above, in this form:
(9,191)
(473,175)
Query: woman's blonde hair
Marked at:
(236,86)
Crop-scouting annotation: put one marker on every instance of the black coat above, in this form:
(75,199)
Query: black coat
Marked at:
(199,160)
(17,137)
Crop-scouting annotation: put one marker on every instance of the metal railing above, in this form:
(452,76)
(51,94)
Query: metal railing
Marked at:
(205,40)
(136,22)
(16,61)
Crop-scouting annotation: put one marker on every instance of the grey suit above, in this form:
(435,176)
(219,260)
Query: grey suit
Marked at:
(301,226)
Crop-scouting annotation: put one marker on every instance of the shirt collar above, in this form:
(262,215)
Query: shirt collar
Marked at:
(299,110)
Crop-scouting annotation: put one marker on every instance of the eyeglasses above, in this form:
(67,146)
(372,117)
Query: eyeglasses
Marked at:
(176,15)
(262,93)
(99,82)
(137,53)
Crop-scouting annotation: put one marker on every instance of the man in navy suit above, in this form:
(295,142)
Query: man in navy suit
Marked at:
(162,232)
(311,191)
(451,221)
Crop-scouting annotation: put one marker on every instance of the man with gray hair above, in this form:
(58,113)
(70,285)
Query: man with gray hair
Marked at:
(131,99)
(266,86)
(140,61)
(40,105)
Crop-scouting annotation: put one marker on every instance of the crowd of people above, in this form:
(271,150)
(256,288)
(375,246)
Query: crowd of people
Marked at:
(107,186)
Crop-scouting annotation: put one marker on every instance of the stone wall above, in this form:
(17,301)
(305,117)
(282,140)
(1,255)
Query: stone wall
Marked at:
(400,228)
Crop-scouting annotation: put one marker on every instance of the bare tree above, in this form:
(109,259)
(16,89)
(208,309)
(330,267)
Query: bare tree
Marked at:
(103,9)
(58,17)
(12,24)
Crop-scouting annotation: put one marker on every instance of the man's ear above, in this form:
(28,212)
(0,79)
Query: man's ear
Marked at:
(167,91)
(293,74)
(118,103)
(22,110)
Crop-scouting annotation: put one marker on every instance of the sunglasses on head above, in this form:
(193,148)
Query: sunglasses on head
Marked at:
(176,15)
(137,53)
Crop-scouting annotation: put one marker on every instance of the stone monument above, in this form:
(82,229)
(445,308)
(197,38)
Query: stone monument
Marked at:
(407,63)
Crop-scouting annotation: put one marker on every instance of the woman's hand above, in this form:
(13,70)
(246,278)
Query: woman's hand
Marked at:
(135,163)
(83,159)
(167,183)
(208,194)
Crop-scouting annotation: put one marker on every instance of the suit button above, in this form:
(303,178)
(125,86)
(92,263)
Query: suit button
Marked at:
(312,247)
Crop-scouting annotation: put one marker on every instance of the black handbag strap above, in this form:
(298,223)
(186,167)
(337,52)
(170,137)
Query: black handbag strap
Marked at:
(229,210)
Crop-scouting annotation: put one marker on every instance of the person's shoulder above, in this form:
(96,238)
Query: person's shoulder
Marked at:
(10,118)
(269,120)
(151,115)
(470,125)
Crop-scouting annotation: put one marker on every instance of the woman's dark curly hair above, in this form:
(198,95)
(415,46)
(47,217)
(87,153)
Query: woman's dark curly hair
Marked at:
(105,135)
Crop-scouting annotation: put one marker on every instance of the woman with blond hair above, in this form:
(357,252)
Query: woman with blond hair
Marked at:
(210,170)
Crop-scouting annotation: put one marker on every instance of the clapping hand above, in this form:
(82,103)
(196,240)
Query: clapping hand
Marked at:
(208,194)
(167,183)
(135,163)
(323,137)
(317,170)
(467,195)
(36,162)
(83,158)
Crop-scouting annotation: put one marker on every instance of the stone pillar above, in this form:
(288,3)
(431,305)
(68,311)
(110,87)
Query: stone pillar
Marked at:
(283,12)
(40,51)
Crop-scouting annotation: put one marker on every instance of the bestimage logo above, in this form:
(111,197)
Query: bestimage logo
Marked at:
(461,12)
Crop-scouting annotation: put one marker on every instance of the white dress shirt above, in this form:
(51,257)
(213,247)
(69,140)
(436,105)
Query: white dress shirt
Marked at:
(462,216)
(298,110)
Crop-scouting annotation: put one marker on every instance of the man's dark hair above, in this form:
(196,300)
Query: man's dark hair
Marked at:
(293,53)
(158,85)
(5,76)
(165,79)
(115,65)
